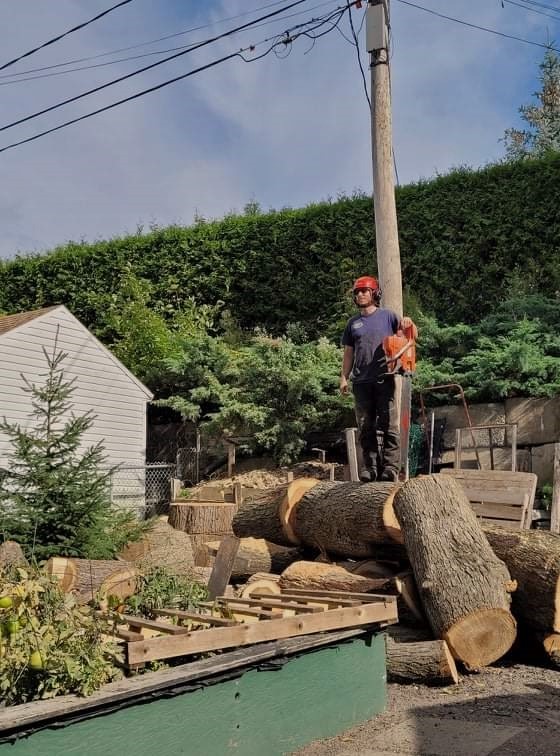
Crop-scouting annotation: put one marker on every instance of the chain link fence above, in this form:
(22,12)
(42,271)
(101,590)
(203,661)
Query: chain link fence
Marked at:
(145,489)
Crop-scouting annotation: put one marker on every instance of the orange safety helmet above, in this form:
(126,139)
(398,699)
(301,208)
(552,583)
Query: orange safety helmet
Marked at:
(365,282)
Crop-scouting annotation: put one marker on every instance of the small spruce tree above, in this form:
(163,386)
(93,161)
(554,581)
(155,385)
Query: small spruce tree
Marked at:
(55,495)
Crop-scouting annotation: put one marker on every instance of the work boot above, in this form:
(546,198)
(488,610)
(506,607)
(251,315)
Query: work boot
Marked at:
(389,475)
(368,475)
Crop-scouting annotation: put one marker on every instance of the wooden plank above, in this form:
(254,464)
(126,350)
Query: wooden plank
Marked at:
(491,496)
(162,627)
(265,613)
(267,603)
(555,504)
(498,511)
(196,616)
(513,478)
(347,595)
(383,611)
(223,566)
(306,598)
(128,635)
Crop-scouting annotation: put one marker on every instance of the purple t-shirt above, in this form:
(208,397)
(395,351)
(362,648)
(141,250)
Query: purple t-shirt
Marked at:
(365,334)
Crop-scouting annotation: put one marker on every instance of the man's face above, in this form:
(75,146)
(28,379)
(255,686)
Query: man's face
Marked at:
(363,297)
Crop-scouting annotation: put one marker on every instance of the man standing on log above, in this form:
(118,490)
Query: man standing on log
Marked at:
(364,362)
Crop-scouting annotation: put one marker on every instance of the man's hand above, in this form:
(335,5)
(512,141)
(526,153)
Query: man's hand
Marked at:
(343,386)
(406,324)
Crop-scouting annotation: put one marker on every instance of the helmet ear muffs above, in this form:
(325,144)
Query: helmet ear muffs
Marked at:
(377,294)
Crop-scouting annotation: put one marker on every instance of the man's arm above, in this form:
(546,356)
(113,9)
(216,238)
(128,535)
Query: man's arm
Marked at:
(347,362)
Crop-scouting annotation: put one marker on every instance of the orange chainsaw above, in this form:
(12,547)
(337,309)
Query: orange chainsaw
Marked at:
(400,351)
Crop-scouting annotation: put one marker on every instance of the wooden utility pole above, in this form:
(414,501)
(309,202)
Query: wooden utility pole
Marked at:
(386,230)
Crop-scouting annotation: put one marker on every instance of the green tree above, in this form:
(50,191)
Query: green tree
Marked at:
(54,497)
(543,117)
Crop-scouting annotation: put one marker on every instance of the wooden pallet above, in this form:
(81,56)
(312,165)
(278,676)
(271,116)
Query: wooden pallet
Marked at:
(233,622)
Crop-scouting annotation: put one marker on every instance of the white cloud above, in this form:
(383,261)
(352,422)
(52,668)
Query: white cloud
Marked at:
(285,132)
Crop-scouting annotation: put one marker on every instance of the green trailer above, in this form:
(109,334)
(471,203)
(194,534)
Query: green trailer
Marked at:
(270,698)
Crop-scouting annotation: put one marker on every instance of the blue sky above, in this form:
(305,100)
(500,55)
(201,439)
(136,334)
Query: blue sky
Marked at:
(284,132)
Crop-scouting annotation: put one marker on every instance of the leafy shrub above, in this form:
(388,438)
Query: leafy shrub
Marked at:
(49,645)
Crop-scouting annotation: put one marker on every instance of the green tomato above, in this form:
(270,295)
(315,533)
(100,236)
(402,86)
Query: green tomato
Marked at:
(36,661)
(6,602)
(12,626)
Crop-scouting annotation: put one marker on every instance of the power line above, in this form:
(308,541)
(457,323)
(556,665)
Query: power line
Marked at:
(149,67)
(64,34)
(284,39)
(137,57)
(357,45)
(148,42)
(541,5)
(476,26)
(533,10)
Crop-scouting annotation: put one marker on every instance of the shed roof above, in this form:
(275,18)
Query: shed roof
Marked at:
(9,322)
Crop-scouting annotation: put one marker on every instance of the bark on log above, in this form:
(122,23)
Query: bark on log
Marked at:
(11,555)
(93,579)
(268,516)
(201,516)
(348,519)
(463,586)
(426,661)
(330,577)
(533,559)
(199,541)
(255,555)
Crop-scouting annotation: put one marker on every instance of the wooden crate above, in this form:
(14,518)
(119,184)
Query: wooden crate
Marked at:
(234,622)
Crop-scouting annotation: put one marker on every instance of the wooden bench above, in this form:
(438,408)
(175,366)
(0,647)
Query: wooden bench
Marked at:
(500,497)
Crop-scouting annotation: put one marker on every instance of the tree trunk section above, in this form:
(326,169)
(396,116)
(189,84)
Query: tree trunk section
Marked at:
(347,519)
(94,579)
(11,555)
(259,517)
(533,559)
(329,577)
(202,516)
(462,585)
(426,661)
(253,555)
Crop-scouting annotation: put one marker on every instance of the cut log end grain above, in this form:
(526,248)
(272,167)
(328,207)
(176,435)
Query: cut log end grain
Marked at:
(551,645)
(269,587)
(64,571)
(481,637)
(288,504)
(93,579)
(463,585)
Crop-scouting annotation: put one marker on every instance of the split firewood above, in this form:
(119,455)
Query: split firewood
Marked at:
(330,577)
(93,579)
(463,586)
(425,661)
(346,519)
(533,559)
(254,555)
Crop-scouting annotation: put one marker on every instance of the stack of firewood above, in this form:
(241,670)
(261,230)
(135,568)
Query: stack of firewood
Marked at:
(463,586)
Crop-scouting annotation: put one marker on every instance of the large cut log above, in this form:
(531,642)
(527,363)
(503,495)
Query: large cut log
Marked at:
(202,516)
(93,579)
(426,661)
(463,586)
(346,519)
(533,559)
(267,515)
(253,555)
(330,577)
(551,645)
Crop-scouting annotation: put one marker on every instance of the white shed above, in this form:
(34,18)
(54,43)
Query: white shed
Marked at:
(103,385)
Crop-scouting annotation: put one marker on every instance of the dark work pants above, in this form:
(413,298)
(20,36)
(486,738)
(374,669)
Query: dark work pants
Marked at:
(375,411)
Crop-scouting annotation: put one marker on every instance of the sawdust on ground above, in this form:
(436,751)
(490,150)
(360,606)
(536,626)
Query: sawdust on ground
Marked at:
(270,478)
